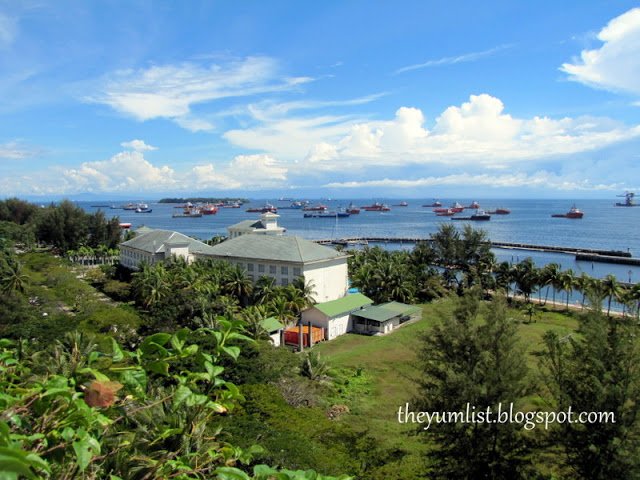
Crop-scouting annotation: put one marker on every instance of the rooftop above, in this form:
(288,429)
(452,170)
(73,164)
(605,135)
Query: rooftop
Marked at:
(278,248)
(344,305)
(271,324)
(153,241)
(386,311)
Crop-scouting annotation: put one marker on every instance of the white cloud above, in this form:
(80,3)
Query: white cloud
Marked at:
(467,57)
(478,132)
(15,151)
(124,172)
(129,171)
(170,91)
(539,179)
(138,145)
(615,65)
(8,30)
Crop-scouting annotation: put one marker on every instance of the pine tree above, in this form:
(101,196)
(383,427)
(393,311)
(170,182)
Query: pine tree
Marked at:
(473,357)
(598,370)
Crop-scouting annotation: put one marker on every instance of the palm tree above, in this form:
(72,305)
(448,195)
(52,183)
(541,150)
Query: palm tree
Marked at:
(567,282)
(253,317)
(611,289)
(307,290)
(238,284)
(549,275)
(526,278)
(504,276)
(583,284)
(264,290)
(635,294)
(13,280)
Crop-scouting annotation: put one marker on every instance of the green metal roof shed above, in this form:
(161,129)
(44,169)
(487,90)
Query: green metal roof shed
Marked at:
(343,305)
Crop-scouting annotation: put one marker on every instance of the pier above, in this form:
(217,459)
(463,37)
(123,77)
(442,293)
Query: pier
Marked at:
(583,254)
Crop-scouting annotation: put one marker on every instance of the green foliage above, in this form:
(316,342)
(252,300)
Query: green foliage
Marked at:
(597,371)
(70,410)
(473,357)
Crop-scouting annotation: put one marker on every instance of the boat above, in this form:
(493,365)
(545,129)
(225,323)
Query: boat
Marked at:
(124,225)
(352,209)
(628,200)
(316,208)
(444,212)
(208,209)
(402,204)
(573,212)
(268,208)
(326,215)
(130,206)
(376,207)
(473,206)
(297,205)
(480,215)
(456,207)
(189,211)
(434,204)
(499,211)
(143,210)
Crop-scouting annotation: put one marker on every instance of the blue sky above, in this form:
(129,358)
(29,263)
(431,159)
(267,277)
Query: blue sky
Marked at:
(336,98)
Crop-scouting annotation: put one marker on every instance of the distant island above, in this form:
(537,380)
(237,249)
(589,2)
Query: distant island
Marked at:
(203,200)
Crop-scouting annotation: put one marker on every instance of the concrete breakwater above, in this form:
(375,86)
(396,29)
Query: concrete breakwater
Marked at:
(584,254)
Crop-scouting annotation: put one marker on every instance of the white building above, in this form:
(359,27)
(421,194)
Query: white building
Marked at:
(154,246)
(267,225)
(285,259)
(335,317)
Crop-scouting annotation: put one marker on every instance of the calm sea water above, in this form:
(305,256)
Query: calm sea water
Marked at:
(603,226)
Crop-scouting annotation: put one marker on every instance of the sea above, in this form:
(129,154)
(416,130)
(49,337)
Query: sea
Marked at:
(603,227)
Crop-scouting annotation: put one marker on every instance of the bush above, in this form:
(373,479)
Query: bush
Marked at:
(117,290)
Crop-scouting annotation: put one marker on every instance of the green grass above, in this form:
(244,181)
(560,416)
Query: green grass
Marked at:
(382,371)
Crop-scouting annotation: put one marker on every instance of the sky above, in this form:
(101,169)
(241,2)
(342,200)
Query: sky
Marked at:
(348,99)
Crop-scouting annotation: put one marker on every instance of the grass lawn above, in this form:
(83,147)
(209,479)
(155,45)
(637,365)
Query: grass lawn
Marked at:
(389,365)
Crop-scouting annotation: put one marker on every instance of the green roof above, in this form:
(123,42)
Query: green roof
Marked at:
(387,311)
(343,305)
(274,247)
(154,241)
(271,324)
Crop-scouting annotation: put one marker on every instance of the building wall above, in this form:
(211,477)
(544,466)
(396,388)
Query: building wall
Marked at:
(333,327)
(131,257)
(330,279)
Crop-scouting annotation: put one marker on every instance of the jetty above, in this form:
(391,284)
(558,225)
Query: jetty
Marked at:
(582,254)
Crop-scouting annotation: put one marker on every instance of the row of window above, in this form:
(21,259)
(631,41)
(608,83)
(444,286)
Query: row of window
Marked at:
(283,281)
(273,269)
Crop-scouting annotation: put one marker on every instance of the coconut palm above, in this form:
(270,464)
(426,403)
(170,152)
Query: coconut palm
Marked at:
(611,289)
(237,283)
(567,282)
(549,275)
(307,289)
(504,276)
(583,285)
(526,278)
(13,279)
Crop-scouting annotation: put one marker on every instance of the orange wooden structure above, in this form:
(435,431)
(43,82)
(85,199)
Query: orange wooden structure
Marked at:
(291,335)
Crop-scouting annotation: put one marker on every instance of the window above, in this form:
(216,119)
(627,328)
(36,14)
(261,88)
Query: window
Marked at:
(284,270)
(260,268)
(272,269)
(285,282)
(250,267)
(296,272)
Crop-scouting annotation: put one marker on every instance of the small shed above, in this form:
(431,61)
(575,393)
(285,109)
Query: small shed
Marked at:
(273,326)
(381,319)
(334,317)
